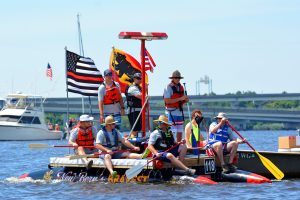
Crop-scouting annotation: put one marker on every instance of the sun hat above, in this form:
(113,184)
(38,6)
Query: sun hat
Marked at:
(85,118)
(176,74)
(221,115)
(107,72)
(109,120)
(163,119)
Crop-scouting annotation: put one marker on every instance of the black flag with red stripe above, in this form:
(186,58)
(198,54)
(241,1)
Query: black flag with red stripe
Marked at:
(83,77)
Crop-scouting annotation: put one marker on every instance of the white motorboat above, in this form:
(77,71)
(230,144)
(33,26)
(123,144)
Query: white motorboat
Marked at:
(22,118)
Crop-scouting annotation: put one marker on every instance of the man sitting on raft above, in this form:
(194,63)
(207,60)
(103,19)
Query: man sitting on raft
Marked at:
(109,140)
(84,134)
(223,141)
(162,139)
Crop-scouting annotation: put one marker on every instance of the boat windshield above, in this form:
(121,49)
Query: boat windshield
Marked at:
(20,119)
(28,102)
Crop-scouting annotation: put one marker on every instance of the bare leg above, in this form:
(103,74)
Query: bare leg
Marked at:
(176,162)
(232,148)
(131,155)
(108,164)
(81,151)
(218,148)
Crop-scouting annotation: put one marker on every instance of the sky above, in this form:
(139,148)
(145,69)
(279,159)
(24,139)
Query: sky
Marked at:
(247,45)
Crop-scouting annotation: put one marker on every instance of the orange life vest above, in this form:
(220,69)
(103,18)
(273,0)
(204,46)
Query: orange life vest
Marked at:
(112,94)
(85,137)
(176,94)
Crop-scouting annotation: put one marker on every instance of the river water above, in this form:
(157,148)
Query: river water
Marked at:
(16,158)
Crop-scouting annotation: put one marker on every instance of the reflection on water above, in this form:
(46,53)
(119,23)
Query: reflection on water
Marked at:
(17,159)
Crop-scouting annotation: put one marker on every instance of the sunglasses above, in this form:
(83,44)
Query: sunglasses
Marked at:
(138,78)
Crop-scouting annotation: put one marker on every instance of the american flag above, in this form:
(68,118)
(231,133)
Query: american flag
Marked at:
(49,71)
(149,62)
(83,77)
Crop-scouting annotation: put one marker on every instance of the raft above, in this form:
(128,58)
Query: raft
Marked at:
(207,172)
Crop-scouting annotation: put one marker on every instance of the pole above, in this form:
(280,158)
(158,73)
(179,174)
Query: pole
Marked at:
(67,91)
(114,64)
(143,86)
(81,51)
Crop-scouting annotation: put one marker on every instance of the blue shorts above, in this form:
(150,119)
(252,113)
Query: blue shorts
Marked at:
(164,156)
(224,146)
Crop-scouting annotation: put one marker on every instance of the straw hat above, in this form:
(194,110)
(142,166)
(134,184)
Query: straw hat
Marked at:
(85,118)
(176,74)
(221,115)
(109,120)
(163,119)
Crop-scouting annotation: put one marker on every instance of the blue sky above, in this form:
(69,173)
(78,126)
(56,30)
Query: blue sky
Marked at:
(241,45)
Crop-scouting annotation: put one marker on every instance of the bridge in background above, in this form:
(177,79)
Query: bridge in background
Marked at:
(242,116)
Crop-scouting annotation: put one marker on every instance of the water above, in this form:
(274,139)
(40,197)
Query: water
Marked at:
(17,158)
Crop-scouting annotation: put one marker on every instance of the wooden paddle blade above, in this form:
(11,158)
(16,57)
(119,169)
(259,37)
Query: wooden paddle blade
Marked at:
(39,146)
(277,173)
(134,171)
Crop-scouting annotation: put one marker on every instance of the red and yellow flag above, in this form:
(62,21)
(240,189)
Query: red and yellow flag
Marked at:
(125,66)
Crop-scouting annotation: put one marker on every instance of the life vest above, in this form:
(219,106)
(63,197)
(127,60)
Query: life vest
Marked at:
(195,132)
(166,141)
(85,137)
(56,127)
(112,94)
(133,101)
(221,135)
(178,91)
(107,138)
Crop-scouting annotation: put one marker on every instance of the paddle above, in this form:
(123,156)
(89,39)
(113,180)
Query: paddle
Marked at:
(55,146)
(135,170)
(277,173)
(91,155)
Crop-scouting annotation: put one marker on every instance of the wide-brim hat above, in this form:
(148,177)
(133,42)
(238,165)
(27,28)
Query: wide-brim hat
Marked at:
(109,120)
(221,115)
(85,118)
(176,74)
(163,119)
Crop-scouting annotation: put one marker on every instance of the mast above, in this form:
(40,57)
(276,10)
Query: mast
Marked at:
(81,52)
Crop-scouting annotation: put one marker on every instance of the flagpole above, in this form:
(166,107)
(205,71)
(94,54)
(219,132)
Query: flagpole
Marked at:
(67,93)
(114,63)
(143,86)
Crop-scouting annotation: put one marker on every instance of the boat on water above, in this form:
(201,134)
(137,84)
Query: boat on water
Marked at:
(62,168)
(22,118)
(287,162)
(73,168)
(287,159)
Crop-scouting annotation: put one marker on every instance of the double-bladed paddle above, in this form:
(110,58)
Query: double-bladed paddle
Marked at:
(277,173)
(55,146)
